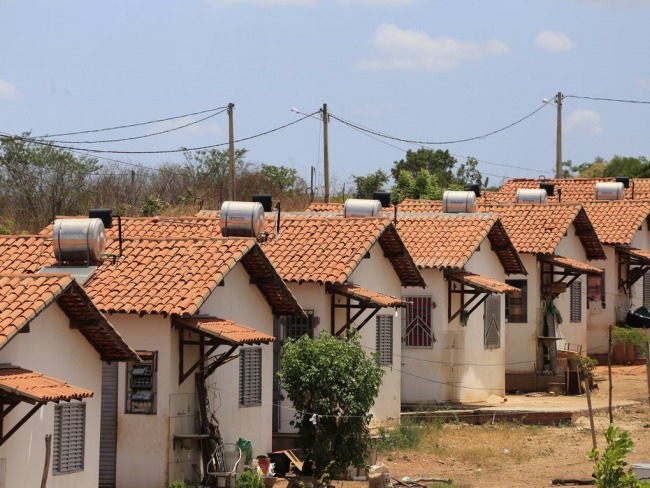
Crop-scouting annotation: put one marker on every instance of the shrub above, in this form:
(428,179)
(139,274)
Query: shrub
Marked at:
(249,479)
(609,471)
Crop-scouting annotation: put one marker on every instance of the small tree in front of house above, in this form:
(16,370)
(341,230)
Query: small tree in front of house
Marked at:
(333,384)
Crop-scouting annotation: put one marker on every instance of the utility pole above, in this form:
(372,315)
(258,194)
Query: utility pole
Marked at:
(326,155)
(558,147)
(231,153)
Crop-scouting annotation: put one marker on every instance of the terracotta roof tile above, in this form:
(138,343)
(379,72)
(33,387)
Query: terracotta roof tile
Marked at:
(481,282)
(226,330)
(616,222)
(450,240)
(36,387)
(363,295)
(327,249)
(573,189)
(24,297)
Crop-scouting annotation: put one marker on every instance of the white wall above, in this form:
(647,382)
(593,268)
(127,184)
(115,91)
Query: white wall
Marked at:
(458,367)
(242,302)
(375,274)
(54,349)
(521,338)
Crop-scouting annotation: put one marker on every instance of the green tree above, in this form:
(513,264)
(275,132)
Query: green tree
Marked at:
(423,186)
(40,181)
(209,170)
(439,163)
(628,166)
(282,177)
(610,468)
(369,184)
(332,384)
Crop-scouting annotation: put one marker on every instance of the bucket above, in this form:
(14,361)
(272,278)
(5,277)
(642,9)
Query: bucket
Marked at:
(641,471)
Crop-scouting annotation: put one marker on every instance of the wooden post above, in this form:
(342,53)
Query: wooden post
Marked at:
(587,377)
(46,467)
(647,366)
(609,373)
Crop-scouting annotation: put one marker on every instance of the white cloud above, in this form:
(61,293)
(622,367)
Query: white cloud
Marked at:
(585,122)
(615,3)
(198,129)
(643,82)
(7,90)
(261,3)
(409,50)
(397,3)
(554,41)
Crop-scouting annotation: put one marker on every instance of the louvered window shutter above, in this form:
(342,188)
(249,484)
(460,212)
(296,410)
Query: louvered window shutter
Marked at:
(68,438)
(385,339)
(492,322)
(250,377)
(576,301)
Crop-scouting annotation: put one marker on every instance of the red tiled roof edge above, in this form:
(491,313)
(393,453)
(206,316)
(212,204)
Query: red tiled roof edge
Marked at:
(399,257)
(505,249)
(587,235)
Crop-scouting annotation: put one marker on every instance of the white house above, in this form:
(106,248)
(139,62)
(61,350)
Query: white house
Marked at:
(53,341)
(186,305)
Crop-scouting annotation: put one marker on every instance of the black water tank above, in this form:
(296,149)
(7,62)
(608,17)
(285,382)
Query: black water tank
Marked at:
(383,197)
(104,214)
(265,200)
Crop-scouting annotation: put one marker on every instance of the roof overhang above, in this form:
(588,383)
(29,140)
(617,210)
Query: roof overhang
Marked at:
(505,250)
(632,265)
(18,385)
(400,259)
(474,289)
(361,300)
(213,332)
(572,269)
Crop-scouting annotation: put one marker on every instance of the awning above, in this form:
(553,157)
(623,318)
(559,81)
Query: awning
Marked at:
(18,385)
(569,264)
(213,332)
(632,265)
(474,288)
(362,300)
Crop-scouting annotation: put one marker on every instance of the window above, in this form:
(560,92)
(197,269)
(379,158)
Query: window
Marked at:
(385,339)
(516,303)
(646,290)
(68,438)
(492,322)
(250,377)
(296,327)
(417,322)
(141,384)
(575,312)
(596,291)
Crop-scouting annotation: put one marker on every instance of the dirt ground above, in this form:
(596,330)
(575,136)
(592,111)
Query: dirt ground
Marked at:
(501,455)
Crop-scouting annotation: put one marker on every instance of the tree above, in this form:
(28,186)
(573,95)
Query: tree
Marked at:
(40,181)
(280,176)
(438,163)
(332,384)
(628,166)
(423,186)
(369,184)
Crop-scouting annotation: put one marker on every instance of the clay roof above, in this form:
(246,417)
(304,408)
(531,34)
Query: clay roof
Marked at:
(363,295)
(227,331)
(159,276)
(539,228)
(24,297)
(449,240)
(327,249)
(571,264)
(35,387)
(175,276)
(616,222)
(573,189)
(481,282)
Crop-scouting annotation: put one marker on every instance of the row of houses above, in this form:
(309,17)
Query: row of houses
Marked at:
(134,344)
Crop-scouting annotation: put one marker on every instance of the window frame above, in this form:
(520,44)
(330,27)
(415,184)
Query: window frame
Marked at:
(65,438)
(596,292)
(522,317)
(136,383)
(250,382)
(418,335)
(384,339)
(575,302)
(489,341)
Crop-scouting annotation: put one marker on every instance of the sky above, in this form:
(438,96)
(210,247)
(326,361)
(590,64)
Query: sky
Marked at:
(395,75)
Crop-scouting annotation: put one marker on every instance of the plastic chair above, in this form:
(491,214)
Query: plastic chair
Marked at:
(223,463)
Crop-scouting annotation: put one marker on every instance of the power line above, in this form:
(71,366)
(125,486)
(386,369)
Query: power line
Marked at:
(603,99)
(435,143)
(130,125)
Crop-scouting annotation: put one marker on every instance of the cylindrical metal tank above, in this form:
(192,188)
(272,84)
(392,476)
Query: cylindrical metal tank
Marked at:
(357,207)
(458,201)
(531,195)
(78,240)
(610,190)
(242,219)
